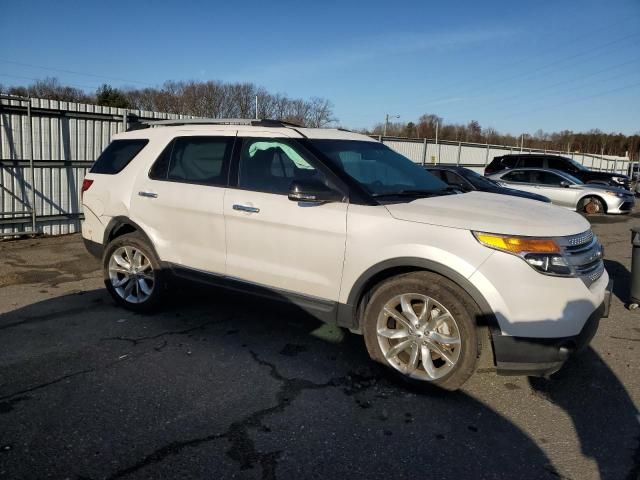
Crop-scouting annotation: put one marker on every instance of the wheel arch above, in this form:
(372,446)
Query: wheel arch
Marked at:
(581,201)
(350,315)
(122,225)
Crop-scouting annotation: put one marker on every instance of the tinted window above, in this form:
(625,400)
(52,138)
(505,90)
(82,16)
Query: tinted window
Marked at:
(117,156)
(377,168)
(509,162)
(453,178)
(194,160)
(531,162)
(517,176)
(270,165)
(437,173)
(547,178)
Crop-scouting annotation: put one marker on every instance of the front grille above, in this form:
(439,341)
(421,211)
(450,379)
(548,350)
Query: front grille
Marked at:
(626,206)
(583,253)
(580,239)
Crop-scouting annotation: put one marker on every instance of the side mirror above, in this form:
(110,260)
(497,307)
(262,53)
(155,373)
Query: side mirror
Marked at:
(312,191)
(565,184)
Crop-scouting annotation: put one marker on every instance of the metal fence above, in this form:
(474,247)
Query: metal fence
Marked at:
(46,148)
(477,155)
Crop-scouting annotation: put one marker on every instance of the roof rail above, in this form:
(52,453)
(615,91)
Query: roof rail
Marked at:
(217,121)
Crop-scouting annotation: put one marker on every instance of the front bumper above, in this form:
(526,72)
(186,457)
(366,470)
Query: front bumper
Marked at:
(544,356)
(620,205)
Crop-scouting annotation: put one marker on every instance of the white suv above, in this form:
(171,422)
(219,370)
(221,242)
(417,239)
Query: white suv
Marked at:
(353,233)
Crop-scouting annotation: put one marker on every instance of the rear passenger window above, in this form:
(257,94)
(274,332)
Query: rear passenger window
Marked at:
(200,160)
(117,156)
(531,162)
(509,162)
(517,176)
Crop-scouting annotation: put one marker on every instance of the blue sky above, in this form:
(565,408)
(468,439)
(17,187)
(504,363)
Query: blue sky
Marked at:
(516,66)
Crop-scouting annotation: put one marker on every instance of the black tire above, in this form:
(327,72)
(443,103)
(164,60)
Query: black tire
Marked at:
(593,206)
(160,278)
(451,297)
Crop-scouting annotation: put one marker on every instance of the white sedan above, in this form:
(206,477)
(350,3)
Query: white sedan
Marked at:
(567,191)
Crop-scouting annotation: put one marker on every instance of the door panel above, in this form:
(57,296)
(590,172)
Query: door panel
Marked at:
(186,220)
(276,242)
(287,245)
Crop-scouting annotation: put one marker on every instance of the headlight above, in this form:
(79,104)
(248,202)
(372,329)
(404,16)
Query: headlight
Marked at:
(542,254)
(614,194)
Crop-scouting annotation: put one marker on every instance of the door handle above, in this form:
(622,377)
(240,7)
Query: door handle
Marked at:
(148,194)
(246,208)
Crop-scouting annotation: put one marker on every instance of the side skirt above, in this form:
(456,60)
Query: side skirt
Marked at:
(319,308)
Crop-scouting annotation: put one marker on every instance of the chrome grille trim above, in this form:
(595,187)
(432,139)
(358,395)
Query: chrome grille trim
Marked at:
(583,253)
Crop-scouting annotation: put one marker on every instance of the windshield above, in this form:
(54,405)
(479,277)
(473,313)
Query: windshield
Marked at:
(380,170)
(478,180)
(570,177)
(576,164)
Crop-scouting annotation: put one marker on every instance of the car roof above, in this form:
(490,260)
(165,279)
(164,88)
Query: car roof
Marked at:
(259,128)
(443,167)
(532,169)
(524,154)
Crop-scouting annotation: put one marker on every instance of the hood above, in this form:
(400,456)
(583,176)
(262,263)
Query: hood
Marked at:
(607,188)
(492,213)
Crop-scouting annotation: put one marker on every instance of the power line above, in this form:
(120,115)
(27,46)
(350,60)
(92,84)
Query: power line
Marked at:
(73,72)
(517,96)
(94,87)
(576,99)
(537,70)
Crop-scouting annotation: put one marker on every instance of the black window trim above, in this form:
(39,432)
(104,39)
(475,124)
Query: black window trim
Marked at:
(224,173)
(316,162)
(145,142)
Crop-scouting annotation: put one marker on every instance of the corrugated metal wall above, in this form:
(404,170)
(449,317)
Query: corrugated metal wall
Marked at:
(68,137)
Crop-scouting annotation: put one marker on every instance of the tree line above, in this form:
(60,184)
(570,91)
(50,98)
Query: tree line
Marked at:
(213,99)
(237,100)
(592,141)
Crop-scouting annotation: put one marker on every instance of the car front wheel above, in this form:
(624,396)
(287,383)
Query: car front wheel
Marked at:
(421,325)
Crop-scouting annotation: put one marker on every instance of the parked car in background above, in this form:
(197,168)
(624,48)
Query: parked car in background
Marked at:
(567,191)
(467,180)
(556,162)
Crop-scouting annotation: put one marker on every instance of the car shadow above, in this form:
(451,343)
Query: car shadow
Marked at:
(223,385)
(601,410)
(621,279)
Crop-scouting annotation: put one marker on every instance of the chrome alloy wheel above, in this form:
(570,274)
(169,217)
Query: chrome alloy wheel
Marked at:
(418,336)
(131,274)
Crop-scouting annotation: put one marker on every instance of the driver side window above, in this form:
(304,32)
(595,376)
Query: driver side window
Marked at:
(270,165)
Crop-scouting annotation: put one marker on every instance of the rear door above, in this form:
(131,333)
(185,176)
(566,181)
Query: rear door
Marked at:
(179,201)
(519,179)
(277,243)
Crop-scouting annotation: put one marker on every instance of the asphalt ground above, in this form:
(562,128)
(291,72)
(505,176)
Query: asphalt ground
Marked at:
(221,386)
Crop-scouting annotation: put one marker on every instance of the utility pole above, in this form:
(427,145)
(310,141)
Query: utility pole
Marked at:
(257,107)
(386,123)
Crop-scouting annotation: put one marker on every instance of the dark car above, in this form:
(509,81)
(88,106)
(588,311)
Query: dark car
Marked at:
(556,162)
(468,180)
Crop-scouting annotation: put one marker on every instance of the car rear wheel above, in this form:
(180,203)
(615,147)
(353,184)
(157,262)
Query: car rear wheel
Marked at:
(592,206)
(132,273)
(421,325)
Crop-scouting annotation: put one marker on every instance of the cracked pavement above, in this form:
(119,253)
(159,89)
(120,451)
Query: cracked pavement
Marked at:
(220,385)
